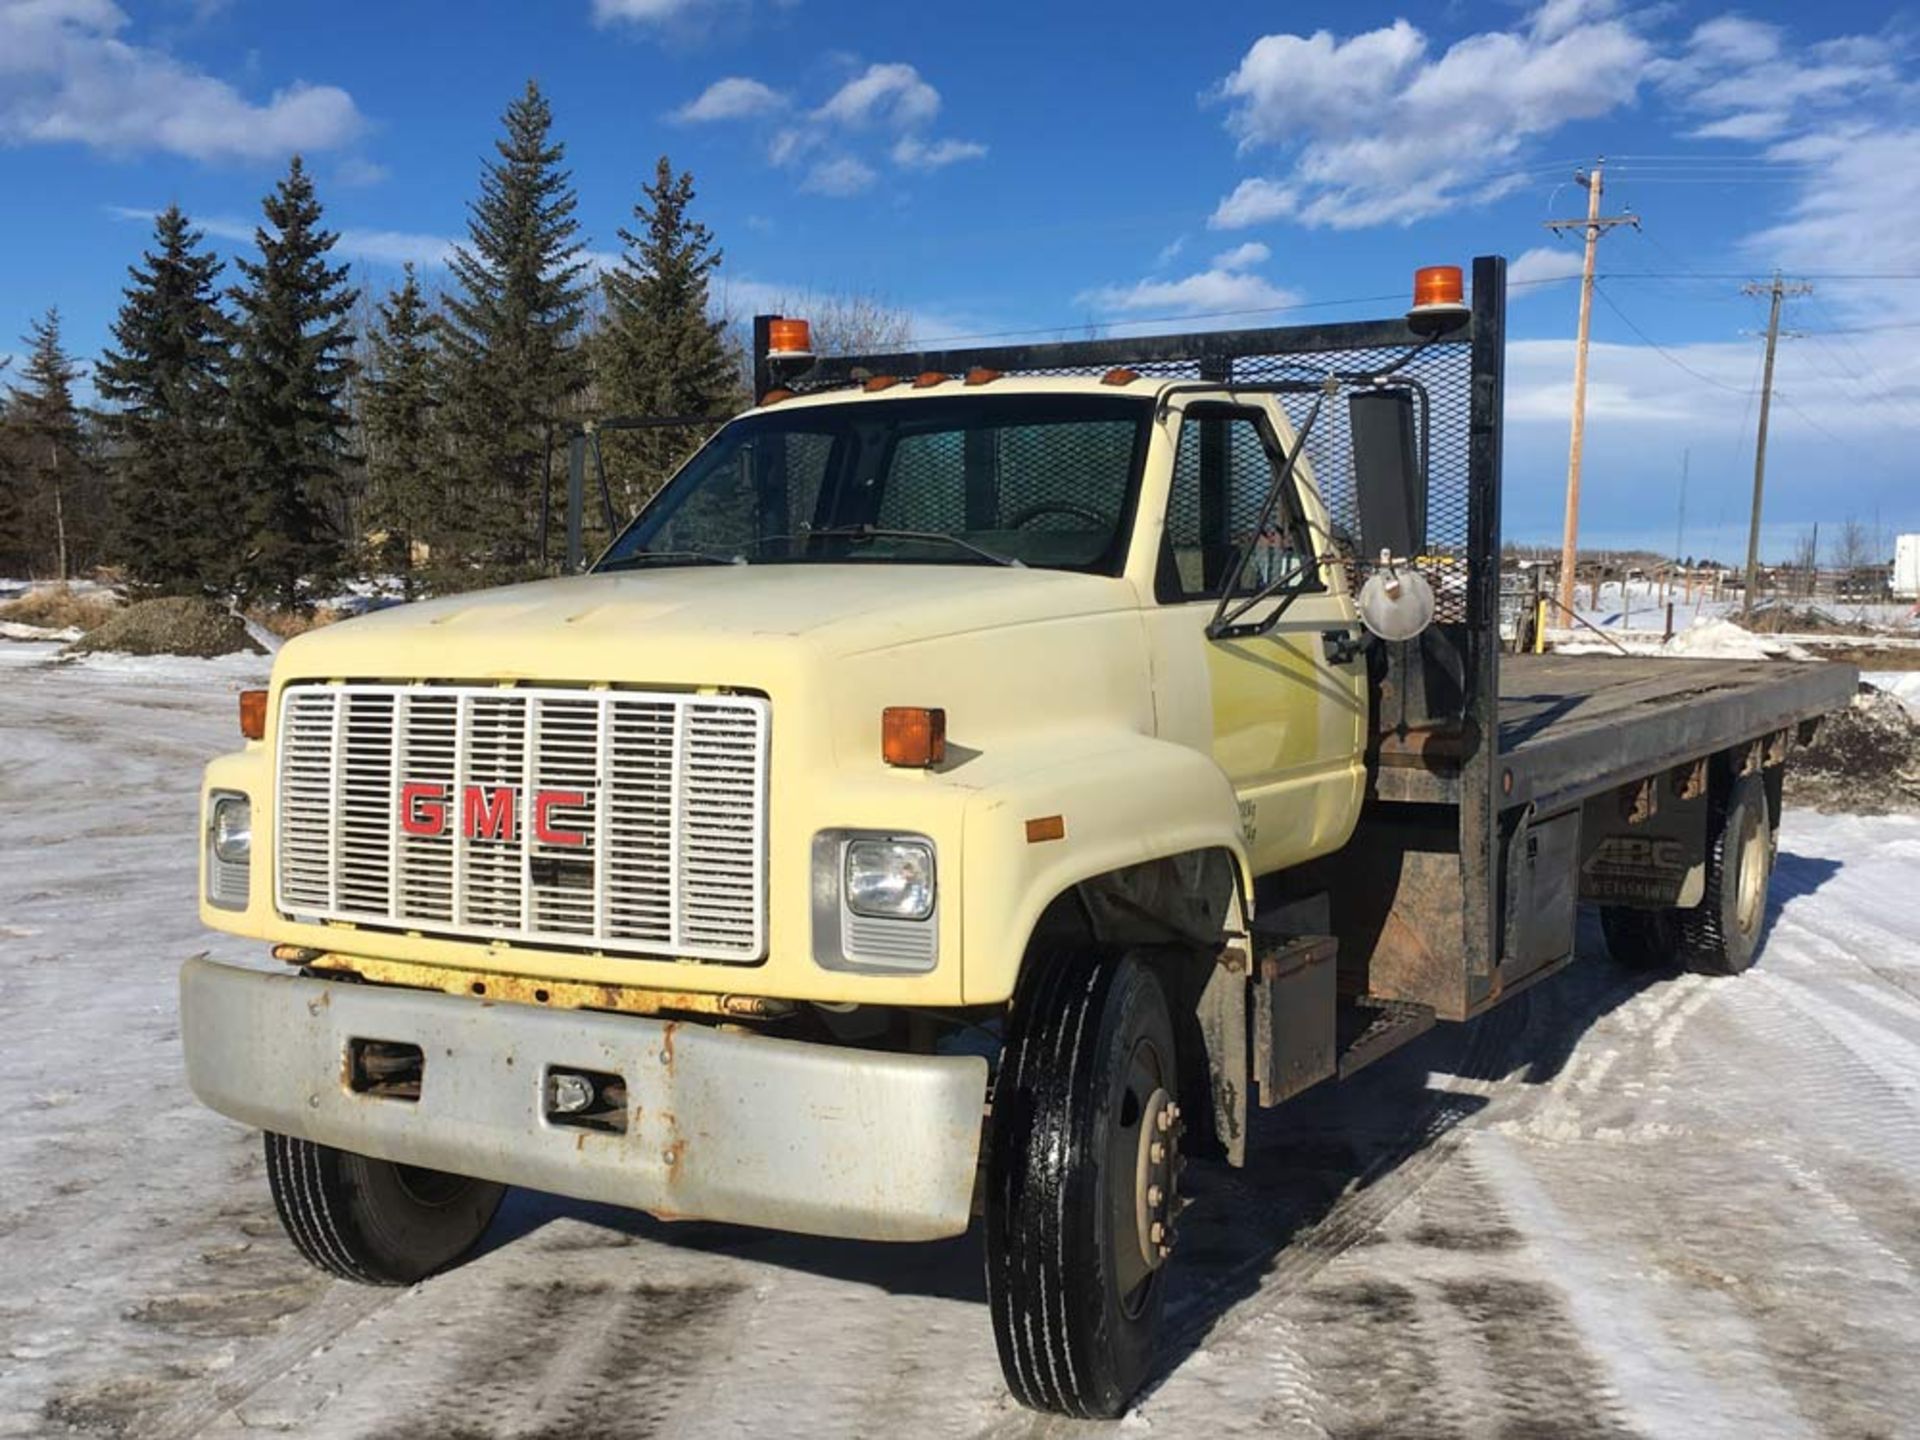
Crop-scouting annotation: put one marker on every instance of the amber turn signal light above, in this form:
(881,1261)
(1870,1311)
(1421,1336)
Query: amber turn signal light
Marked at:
(913,736)
(253,714)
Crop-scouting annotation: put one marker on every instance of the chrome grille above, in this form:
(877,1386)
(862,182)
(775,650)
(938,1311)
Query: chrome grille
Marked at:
(628,821)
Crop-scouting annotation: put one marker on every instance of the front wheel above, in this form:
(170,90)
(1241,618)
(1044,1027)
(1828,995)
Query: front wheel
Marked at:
(1081,1175)
(375,1221)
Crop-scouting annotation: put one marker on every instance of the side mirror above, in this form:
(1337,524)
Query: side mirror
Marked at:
(1389,483)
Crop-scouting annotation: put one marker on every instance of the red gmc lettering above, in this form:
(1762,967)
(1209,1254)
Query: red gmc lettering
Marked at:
(486,813)
(543,803)
(423,809)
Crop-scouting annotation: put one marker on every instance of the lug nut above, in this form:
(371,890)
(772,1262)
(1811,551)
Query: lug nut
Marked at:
(1158,1233)
(1154,1196)
(1157,1153)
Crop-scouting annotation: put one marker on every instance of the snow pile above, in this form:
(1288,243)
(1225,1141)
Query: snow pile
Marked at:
(1724,640)
(176,626)
(1903,685)
(1703,640)
(14,630)
(1865,758)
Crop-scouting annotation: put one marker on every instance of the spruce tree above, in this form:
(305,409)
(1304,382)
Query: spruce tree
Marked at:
(60,520)
(292,364)
(510,339)
(405,456)
(659,350)
(176,510)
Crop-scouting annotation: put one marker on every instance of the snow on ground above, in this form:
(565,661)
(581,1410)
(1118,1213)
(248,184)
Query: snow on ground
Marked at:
(1903,685)
(1619,1205)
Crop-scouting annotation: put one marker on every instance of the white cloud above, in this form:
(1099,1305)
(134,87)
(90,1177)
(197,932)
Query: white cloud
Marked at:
(1216,288)
(839,177)
(1243,257)
(1254,202)
(734,98)
(357,171)
(380,247)
(892,94)
(910,152)
(1752,83)
(1541,264)
(1375,129)
(1752,125)
(640,12)
(879,116)
(67,75)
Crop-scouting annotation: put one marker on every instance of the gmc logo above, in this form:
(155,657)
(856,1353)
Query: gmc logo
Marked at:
(487,812)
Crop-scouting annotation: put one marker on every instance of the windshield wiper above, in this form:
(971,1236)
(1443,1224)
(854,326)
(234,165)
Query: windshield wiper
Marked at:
(875,532)
(644,557)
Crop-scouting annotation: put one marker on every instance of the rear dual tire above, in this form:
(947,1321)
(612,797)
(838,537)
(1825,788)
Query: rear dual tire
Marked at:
(1721,935)
(373,1221)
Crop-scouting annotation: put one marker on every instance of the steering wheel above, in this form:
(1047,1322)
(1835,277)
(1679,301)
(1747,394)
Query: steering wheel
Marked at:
(1058,507)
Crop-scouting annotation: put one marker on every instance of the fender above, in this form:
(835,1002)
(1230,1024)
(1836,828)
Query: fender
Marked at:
(1120,800)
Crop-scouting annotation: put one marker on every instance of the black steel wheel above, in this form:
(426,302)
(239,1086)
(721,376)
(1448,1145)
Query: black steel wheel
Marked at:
(1721,935)
(374,1221)
(1642,939)
(1081,1176)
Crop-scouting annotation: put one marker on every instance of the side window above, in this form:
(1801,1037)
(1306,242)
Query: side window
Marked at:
(1221,474)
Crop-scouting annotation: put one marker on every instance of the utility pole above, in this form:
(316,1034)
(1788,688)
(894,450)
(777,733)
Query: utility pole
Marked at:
(1779,290)
(1595,225)
(1680,521)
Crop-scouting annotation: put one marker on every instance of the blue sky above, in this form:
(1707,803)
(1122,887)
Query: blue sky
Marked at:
(992,167)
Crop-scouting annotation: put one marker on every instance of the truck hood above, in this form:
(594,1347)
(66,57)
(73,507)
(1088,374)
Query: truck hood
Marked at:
(725,625)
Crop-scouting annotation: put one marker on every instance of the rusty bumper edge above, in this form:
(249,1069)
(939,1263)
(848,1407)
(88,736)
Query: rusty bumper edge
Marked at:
(793,1136)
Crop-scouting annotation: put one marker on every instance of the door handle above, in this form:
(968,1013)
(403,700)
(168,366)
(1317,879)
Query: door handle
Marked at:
(1341,646)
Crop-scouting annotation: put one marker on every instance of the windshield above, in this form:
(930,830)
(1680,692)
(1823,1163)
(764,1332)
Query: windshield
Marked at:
(1040,480)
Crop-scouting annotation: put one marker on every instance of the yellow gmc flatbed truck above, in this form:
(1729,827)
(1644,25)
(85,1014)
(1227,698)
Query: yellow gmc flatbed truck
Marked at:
(972,782)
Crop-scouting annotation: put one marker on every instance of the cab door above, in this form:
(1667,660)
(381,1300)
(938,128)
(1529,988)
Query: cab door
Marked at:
(1282,709)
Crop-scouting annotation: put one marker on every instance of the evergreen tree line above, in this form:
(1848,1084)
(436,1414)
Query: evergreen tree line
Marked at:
(253,442)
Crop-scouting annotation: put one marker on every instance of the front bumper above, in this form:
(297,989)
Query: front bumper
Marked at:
(793,1136)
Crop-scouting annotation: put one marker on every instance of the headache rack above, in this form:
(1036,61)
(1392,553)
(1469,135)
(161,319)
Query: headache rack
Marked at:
(1436,697)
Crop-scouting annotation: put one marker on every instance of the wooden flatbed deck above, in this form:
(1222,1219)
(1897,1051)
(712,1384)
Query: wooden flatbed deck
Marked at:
(1571,725)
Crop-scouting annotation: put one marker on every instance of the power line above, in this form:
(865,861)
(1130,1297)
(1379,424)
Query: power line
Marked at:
(1661,351)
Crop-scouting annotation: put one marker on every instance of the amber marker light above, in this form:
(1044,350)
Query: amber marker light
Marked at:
(1046,827)
(253,714)
(913,736)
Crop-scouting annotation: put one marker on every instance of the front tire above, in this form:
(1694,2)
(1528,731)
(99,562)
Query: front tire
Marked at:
(374,1221)
(1081,1175)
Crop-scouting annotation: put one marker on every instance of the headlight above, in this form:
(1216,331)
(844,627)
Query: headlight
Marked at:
(231,825)
(890,878)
